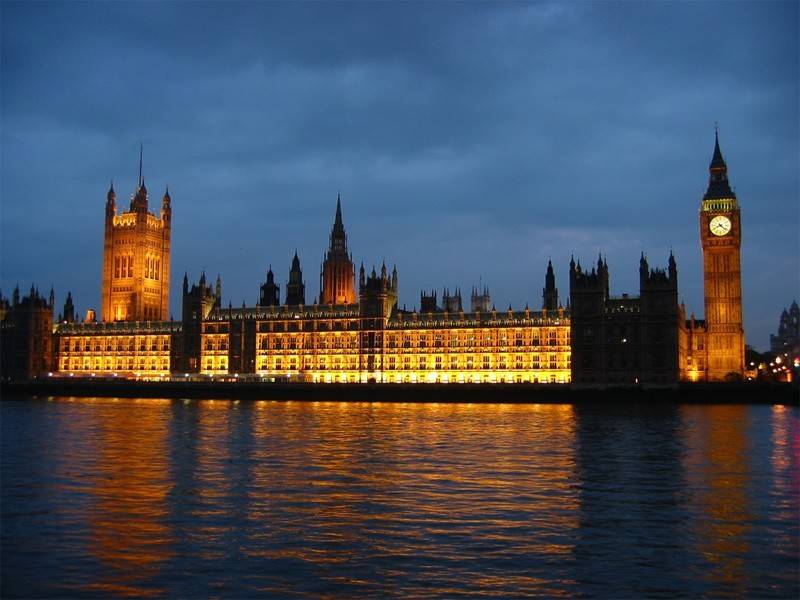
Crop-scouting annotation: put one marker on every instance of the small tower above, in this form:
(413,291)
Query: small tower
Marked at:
(197,306)
(549,292)
(452,302)
(295,288)
(270,291)
(480,299)
(427,302)
(588,292)
(69,309)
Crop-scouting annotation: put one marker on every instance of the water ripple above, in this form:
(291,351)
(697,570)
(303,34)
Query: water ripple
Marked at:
(159,498)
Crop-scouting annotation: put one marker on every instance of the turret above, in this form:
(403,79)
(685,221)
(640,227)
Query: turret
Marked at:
(427,302)
(549,292)
(166,207)
(643,267)
(270,292)
(69,309)
(452,302)
(295,288)
(111,203)
(376,296)
(139,200)
(218,291)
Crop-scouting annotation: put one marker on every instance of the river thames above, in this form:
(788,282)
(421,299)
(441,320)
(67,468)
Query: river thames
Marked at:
(179,498)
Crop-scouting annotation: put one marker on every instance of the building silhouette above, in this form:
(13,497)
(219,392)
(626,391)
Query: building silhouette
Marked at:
(788,337)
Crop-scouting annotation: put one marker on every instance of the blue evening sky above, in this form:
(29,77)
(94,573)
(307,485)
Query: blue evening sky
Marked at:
(469,141)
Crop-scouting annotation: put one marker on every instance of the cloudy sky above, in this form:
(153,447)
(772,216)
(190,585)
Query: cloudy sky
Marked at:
(469,141)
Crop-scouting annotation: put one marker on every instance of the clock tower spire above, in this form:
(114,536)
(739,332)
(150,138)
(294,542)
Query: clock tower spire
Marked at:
(720,237)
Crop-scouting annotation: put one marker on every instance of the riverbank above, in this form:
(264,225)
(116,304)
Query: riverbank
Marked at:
(693,393)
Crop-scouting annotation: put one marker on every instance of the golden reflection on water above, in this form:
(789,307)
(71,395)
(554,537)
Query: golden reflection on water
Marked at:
(357,499)
(212,483)
(128,533)
(717,465)
(404,483)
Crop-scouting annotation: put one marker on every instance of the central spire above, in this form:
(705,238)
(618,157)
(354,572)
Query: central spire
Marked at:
(141,155)
(338,236)
(337,279)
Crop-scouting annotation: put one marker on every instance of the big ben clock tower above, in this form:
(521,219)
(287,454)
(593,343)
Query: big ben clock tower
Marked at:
(720,236)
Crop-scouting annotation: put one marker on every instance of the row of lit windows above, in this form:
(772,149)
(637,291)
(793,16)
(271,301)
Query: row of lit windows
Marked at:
(116,364)
(437,363)
(419,340)
(443,377)
(87,343)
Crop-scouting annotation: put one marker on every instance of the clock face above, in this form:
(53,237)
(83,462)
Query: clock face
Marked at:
(720,225)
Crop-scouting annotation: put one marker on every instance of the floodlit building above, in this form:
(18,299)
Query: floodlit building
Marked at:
(356,332)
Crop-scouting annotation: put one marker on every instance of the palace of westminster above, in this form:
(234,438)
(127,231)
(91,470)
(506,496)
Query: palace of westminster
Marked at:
(355,332)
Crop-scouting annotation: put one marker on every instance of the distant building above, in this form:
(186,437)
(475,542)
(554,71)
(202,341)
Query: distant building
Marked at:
(788,337)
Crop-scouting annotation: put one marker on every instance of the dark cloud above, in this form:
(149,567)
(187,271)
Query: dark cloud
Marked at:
(468,140)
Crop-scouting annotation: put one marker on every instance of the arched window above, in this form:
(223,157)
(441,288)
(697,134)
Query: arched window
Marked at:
(116,267)
(130,265)
(158,268)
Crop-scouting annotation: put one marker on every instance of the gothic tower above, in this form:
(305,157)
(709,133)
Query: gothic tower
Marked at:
(270,291)
(295,288)
(337,279)
(720,236)
(136,258)
(549,292)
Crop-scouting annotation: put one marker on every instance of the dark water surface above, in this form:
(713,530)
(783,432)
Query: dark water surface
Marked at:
(109,498)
